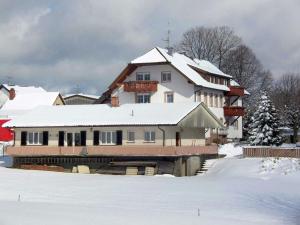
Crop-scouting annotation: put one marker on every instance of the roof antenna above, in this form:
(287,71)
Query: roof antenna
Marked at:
(167,40)
(132,113)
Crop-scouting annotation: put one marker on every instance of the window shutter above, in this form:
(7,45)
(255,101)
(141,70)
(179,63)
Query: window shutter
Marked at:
(152,136)
(23,138)
(96,137)
(45,137)
(61,138)
(83,138)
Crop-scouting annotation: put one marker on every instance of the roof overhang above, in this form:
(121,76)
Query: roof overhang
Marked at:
(201,117)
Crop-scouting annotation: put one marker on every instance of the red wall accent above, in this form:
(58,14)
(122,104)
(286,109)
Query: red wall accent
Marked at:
(6,134)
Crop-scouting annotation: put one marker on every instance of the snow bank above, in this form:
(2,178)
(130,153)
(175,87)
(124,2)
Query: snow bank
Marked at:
(283,166)
(230,150)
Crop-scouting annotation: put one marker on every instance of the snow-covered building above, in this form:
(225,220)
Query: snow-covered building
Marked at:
(148,133)
(16,100)
(161,76)
(8,91)
(80,99)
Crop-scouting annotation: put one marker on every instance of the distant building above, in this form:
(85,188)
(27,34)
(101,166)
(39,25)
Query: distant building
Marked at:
(16,100)
(80,99)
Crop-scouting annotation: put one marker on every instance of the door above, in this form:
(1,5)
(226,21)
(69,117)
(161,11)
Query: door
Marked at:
(119,137)
(178,139)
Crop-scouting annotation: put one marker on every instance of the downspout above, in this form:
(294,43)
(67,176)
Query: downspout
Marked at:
(164,134)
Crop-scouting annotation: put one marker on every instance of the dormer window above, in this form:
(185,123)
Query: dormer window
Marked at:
(140,76)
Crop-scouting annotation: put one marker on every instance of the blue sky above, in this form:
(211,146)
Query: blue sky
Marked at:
(63,44)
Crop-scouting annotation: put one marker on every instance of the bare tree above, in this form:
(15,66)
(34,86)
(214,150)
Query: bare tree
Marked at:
(242,64)
(286,96)
(209,43)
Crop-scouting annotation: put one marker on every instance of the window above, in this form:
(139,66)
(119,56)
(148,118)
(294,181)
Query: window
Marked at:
(221,101)
(143,98)
(77,139)
(169,97)
(108,138)
(35,138)
(198,96)
(216,100)
(140,76)
(205,98)
(211,100)
(149,136)
(130,136)
(236,125)
(165,77)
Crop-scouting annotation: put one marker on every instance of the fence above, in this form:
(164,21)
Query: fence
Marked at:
(271,152)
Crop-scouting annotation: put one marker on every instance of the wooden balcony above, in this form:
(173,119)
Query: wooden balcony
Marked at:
(236,91)
(147,151)
(141,86)
(234,111)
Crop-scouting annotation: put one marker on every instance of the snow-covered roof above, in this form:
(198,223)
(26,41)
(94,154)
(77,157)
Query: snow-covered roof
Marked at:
(81,94)
(24,89)
(105,115)
(183,64)
(209,67)
(153,56)
(26,101)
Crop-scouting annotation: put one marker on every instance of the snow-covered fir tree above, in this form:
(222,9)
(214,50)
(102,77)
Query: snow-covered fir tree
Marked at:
(264,126)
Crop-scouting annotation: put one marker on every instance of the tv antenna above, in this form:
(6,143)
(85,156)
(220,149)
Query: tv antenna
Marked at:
(167,40)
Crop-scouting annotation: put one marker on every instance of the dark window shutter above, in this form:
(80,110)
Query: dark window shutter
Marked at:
(45,137)
(83,138)
(96,137)
(23,138)
(119,135)
(61,138)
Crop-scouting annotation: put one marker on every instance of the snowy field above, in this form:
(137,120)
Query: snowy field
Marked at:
(234,191)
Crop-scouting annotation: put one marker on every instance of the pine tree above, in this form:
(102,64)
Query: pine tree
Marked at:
(264,127)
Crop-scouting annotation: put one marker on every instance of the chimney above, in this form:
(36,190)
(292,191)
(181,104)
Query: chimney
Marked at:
(12,94)
(114,101)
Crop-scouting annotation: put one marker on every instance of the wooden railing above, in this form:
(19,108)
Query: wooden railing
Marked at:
(236,91)
(271,152)
(140,86)
(234,111)
(110,151)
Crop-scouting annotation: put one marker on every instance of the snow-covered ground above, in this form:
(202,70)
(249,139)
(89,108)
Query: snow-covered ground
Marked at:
(234,191)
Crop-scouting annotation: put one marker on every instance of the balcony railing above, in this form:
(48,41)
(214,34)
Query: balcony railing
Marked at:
(220,131)
(234,111)
(110,151)
(236,91)
(140,86)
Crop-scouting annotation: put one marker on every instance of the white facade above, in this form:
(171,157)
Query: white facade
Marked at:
(183,89)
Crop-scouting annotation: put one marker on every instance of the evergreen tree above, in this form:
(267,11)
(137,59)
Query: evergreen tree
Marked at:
(264,126)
